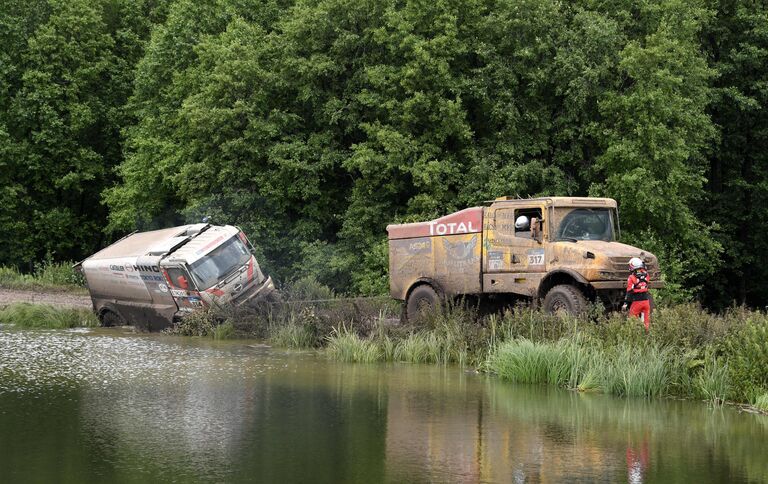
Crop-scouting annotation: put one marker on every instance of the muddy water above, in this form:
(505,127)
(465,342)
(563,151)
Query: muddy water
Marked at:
(103,406)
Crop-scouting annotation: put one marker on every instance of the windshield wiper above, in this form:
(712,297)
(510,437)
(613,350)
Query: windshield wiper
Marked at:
(567,239)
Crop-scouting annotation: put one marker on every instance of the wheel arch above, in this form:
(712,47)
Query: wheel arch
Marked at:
(422,281)
(564,276)
(108,308)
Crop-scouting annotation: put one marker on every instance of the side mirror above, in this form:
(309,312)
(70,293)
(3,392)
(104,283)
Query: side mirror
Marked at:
(536,229)
(182,282)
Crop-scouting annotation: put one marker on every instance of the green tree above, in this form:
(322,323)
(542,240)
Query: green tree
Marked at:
(737,173)
(655,134)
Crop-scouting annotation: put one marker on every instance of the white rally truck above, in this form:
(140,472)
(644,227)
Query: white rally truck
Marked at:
(151,279)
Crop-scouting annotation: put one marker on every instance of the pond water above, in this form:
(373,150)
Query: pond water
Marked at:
(109,406)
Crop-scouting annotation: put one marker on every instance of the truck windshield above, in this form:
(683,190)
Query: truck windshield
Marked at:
(220,262)
(587,224)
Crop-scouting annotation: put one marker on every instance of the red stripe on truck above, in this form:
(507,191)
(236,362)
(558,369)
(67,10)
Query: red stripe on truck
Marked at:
(467,221)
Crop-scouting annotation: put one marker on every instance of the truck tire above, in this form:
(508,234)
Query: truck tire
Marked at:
(422,300)
(567,298)
(109,319)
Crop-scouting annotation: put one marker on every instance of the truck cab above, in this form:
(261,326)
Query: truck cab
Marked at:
(566,255)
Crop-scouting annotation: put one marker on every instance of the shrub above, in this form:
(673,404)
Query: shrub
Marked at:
(761,402)
(197,323)
(307,288)
(58,274)
(746,348)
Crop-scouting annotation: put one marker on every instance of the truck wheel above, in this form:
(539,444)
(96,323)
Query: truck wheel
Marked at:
(109,319)
(422,300)
(566,298)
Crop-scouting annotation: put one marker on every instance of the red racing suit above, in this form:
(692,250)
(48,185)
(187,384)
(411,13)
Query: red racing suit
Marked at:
(637,297)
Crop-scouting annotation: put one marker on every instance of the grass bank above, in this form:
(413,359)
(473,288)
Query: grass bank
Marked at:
(45,316)
(48,276)
(688,353)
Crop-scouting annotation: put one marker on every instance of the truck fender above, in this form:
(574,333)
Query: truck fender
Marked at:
(425,280)
(547,282)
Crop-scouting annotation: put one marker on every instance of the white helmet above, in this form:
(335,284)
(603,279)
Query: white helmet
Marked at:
(636,263)
(522,223)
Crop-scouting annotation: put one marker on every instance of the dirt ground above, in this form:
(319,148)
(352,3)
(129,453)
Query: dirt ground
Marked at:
(8,296)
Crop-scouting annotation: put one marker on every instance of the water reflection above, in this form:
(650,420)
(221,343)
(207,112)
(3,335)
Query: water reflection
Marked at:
(101,406)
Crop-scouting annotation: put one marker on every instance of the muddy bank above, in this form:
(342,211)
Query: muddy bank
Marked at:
(9,296)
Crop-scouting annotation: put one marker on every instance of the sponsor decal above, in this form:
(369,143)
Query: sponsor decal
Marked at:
(162,287)
(467,221)
(460,250)
(209,245)
(452,228)
(178,293)
(495,260)
(117,268)
(150,278)
(461,255)
(420,246)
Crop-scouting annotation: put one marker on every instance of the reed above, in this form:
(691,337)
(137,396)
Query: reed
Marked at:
(712,382)
(638,371)
(345,345)
(225,330)
(45,316)
(291,335)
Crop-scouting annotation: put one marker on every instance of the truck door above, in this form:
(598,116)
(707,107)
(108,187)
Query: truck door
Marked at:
(514,261)
(156,312)
(183,288)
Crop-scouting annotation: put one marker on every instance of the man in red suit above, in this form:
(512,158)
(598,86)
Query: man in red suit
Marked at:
(637,298)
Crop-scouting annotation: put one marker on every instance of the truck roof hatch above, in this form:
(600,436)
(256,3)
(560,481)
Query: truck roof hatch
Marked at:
(167,246)
(195,229)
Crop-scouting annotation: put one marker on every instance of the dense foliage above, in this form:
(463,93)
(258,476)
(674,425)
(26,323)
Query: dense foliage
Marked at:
(313,124)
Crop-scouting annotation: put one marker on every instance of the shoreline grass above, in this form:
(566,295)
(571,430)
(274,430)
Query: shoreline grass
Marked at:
(45,316)
(688,353)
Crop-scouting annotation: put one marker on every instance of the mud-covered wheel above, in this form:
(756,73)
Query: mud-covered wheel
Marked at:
(421,301)
(565,298)
(109,319)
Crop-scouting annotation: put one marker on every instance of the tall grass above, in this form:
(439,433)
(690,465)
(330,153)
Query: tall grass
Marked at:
(47,275)
(631,371)
(28,315)
(712,382)
(345,345)
(291,335)
(623,370)
(225,330)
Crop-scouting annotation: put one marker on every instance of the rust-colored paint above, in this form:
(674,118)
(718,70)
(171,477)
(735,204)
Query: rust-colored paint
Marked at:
(479,250)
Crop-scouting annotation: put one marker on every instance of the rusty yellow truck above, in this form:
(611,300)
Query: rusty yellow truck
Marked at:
(560,251)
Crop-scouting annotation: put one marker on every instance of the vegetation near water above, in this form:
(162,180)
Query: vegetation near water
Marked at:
(314,123)
(689,351)
(31,315)
(47,275)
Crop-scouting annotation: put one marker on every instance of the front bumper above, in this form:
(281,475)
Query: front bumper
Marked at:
(254,293)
